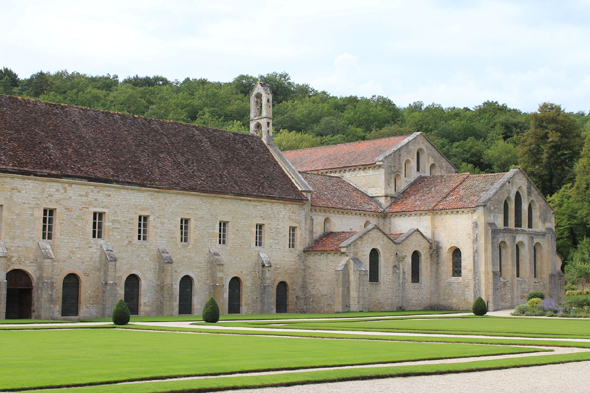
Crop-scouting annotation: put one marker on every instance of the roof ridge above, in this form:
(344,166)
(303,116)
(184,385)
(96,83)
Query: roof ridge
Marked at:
(350,143)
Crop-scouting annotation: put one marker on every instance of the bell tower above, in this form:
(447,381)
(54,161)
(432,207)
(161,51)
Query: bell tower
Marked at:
(261,112)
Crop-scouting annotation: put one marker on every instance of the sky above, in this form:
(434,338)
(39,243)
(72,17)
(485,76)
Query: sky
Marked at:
(453,53)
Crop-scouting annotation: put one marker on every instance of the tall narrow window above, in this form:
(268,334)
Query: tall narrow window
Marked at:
(281,298)
(530,214)
(234,299)
(517,210)
(374,266)
(69,296)
(1,220)
(48,224)
(457,263)
(506,213)
(292,236)
(534,262)
(415,267)
(185,295)
(222,239)
(327,225)
(407,168)
(500,259)
(417,161)
(395,184)
(184,228)
(517,261)
(142,228)
(97,225)
(131,294)
(259,236)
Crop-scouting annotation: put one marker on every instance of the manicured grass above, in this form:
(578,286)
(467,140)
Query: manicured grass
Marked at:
(27,321)
(66,357)
(241,317)
(500,326)
(323,376)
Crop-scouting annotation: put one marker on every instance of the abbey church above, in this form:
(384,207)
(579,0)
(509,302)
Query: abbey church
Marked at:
(98,206)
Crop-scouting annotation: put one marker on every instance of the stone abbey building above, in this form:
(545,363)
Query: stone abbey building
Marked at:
(97,206)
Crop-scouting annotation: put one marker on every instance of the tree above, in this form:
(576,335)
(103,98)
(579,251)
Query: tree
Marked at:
(549,149)
(121,314)
(293,140)
(578,270)
(8,81)
(211,311)
(582,186)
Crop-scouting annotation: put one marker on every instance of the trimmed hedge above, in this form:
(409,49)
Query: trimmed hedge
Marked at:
(211,311)
(121,314)
(535,295)
(479,307)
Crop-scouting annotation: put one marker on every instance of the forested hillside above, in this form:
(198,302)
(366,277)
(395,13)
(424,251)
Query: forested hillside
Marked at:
(550,144)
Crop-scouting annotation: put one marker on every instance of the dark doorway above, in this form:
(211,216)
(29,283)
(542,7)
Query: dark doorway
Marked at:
(70,295)
(282,298)
(131,295)
(19,299)
(185,296)
(235,296)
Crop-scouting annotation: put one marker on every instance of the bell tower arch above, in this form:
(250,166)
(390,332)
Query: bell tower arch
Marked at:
(261,112)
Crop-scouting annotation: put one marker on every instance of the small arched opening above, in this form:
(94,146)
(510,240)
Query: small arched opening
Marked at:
(374,265)
(415,267)
(281,298)
(407,168)
(457,263)
(433,169)
(517,260)
(131,294)
(185,296)
(506,215)
(502,258)
(397,183)
(538,261)
(234,301)
(367,223)
(70,296)
(19,299)
(327,225)
(517,210)
(531,215)
(419,158)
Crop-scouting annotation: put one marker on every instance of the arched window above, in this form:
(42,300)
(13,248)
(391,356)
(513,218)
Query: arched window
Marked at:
(506,213)
(530,214)
(185,296)
(395,184)
(517,210)
(534,262)
(407,168)
(457,263)
(70,296)
(327,225)
(432,169)
(374,266)
(131,295)
(415,267)
(517,261)
(367,223)
(281,298)
(234,300)
(500,258)
(418,161)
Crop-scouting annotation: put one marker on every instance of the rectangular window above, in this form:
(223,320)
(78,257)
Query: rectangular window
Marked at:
(97,224)
(142,228)
(292,236)
(259,241)
(184,227)
(222,239)
(48,224)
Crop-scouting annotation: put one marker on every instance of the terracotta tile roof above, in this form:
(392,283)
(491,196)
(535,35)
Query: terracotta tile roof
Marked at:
(342,155)
(444,192)
(66,141)
(337,193)
(330,241)
(394,236)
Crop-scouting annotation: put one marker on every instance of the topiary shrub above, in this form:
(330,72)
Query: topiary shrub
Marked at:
(535,295)
(211,311)
(121,314)
(534,303)
(479,307)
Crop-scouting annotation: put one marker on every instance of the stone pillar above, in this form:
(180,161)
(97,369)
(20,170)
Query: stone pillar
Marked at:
(342,295)
(557,286)
(109,282)
(267,282)
(165,283)
(495,301)
(359,286)
(216,288)
(3,282)
(44,286)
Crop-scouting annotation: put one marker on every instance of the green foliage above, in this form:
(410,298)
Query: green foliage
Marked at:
(534,303)
(549,149)
(293,140)
(479,307)
(577,270)
(521,309)
(535,295)
(211,311)
(573,293)
(121,313)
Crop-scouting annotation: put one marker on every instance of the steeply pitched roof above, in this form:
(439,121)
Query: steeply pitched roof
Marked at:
(330,241)
(335,192)
(342,155)
(444,192)
(66,141)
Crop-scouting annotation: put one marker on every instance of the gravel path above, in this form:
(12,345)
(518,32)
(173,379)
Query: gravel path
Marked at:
(569,377)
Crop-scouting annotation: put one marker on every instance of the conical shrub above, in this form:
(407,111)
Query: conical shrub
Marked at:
(121,314)
(479,307)
(211,311)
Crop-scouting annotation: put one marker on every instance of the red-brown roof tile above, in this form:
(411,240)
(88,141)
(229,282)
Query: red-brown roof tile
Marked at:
(444,192)
(394,236)
(335,192)
(342,155)
(66,141)
(330,241)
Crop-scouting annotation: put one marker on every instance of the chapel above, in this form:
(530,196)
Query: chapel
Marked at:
(97,206)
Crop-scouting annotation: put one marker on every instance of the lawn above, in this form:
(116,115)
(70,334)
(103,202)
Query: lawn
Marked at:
(44,358)
(495,326)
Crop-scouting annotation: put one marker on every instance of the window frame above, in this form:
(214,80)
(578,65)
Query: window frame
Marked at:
(185,226)
(143,227)
(374,259)
(457,263)
(415,267)
(48,224)
(98,220)
(259,235)
(222,232)
(292,238)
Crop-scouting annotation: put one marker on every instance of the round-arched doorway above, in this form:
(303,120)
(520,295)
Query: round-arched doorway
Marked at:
(19,299)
